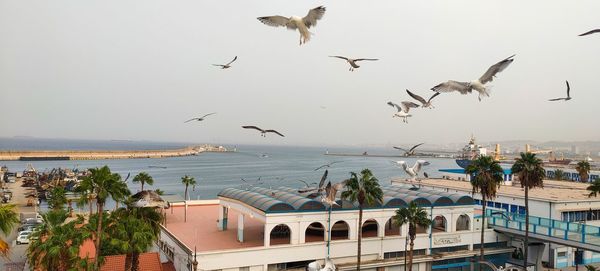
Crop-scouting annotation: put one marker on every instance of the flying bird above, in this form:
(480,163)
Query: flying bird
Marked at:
(328,165)
(315,191)
(352,62)
(568,94)
(590,32)
(226,66)
(414,170)
(315,266)
(295,22)
(263,133)
(148,198)
(306,184)
(410,151)
(200,118)
(403,109)
(478,84)
(424,103)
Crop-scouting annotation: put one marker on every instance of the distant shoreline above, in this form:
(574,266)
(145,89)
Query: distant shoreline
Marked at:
(49,155)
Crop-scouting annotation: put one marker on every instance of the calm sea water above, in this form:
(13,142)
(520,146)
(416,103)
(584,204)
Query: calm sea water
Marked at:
(281,166)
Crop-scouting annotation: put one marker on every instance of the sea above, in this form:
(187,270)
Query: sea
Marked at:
(250,165)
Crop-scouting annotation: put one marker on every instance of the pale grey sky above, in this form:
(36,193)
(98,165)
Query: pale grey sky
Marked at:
(138,69)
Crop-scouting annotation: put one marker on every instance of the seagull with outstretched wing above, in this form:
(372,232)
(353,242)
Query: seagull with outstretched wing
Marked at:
(478,84)
(413,171)
(199,118)
(226,66)
(410,151)
(590,32)
(295,22)
(315,191)
(403,109)
(424,103)
(568,94)
(262,132)
(352,61)
(328,165)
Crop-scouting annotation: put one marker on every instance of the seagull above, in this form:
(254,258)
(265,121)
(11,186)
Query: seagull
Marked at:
(478,84)
(414,170)
(424,103)
(315,266)
(262,132)
(568,94)
(148,198)
(315,191)
(200,118)
(590,32)
(226,66)
(403,109)
(295,22)
(352,62)
(411,151)
(307,185)
(328,165)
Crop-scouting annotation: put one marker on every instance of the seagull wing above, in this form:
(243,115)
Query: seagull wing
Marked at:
(218,65)
(273,131)
(557,99)
(415,146)
(395,105)
(406,106)
(341,57)
(418,165)
(451,85)
(370,59)
(568,90)
(398,148)
(590,32)
(253,127)
(320,167)
(190,120)
(277,21)
(234,59)
(323,178)
(313,16)
(416,97)
(304,183)
(433,96)
(208,115)
(489,75)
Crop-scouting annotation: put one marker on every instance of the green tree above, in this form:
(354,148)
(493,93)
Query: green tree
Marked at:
(414,216)
(58,198)
(531,174)
(8,219)
(187,181)
(85,188)
(143,178)
(103,183)
(486,177)
(583,168)
(594,188)
(363,189)
(559,175)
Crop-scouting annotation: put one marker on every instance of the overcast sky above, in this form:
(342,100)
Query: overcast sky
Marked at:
(137,69)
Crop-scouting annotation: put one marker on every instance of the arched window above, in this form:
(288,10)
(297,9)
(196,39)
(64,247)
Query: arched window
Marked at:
(463,223)
(280,235)
(391,229)
(439,224)
(340,231)
(370,228)
(314,233)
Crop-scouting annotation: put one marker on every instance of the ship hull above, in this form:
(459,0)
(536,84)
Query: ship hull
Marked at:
(463,163)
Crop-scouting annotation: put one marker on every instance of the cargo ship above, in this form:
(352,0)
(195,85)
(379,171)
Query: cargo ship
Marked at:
(470,152)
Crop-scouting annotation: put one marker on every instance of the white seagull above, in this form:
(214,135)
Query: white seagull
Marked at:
(424,103)
(478,84)
(315,266)
(590,32)
(414,170)
(295,22)
(262,132)
(568,94)
(352,62)
(200,118)
(226,66)
(403,109)
(410,151)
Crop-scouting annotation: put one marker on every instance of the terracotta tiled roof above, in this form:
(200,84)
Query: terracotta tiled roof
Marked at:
(150,262)
(168,266)
(114,263)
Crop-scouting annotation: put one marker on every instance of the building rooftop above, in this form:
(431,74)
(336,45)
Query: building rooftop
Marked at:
(552,191)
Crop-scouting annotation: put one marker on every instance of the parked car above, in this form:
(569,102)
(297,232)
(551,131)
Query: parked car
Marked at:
(23,238)
(28,227)
(25,232)
(33,221)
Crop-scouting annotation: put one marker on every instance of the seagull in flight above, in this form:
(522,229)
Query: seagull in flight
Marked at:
(403,109)
(568,94)
(410,151)
(306,184)
(263,132)
(226,66)
(478,84)
(200,118)
(590,32)
(328,165)
(295,22)
(424,103)
(315,191)
(352,62)
(414,170)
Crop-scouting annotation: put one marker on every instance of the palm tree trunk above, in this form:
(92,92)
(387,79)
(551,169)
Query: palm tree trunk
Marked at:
(98,236)
(410,253)
(135,261)
(526,242)
(185,196)
(481,248)
(128,260)
(142,186)
(360,215)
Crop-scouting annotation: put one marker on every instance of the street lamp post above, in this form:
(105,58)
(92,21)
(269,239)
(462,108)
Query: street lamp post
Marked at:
(195,262)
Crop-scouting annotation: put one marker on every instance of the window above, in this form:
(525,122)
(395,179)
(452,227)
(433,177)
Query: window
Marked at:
(561,254)
(393,254)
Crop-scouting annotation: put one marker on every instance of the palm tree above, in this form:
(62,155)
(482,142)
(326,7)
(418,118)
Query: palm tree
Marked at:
(594,188)
(531,174)
(102,183)
(559,175)
(58,198)
(85,188)
(132,234)
(143,178)
(486,177)
(414,216)
(187,180)
(583,168)
(8,219)
(363,189)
